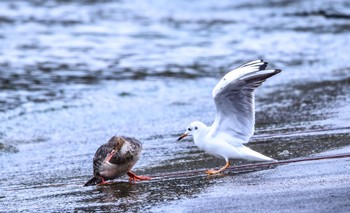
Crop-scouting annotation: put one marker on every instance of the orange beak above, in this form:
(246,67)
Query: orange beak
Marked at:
(182,136)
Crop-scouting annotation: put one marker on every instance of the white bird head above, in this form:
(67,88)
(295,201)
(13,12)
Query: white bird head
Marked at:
(195,128)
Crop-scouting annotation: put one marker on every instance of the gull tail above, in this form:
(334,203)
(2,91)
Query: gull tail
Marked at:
(94,181)
(252,155)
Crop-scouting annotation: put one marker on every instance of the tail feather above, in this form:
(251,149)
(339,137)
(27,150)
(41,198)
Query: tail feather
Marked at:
(94,181)
(252,155)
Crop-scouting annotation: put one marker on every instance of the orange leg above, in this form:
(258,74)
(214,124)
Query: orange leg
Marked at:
(213,172)
(104,182)
(133,177)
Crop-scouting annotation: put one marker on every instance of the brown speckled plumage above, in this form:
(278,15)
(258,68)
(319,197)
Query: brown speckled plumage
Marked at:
(115,158)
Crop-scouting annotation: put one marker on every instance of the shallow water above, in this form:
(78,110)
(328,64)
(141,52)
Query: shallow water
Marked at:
(74,73)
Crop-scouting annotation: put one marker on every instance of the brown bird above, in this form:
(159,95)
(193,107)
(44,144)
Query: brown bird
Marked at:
(115,159)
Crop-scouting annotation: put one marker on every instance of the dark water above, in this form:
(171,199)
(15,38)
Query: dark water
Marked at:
(74,73)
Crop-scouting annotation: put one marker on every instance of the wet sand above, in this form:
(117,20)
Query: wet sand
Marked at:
(75,73)
(314,186)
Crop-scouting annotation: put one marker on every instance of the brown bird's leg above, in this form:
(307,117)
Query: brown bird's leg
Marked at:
(104,182)
(133,177)
(213,172)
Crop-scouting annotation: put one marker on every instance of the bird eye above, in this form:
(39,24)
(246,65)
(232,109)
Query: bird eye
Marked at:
(189,129)
(195,128)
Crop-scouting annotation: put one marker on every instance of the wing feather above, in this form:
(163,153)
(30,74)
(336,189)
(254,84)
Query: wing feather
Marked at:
(234,99)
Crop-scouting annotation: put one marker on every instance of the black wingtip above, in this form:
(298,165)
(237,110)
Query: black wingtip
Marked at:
(262,67)
(278,71)
(94,181)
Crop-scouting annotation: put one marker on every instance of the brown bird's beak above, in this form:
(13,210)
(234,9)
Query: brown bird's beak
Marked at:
(182,136)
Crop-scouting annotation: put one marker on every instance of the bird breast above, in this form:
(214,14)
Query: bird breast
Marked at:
(111,171)
(218,145)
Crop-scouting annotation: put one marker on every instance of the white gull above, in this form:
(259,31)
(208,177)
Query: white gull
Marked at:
(235,117)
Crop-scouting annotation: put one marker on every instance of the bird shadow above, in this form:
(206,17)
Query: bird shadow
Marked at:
(117,189)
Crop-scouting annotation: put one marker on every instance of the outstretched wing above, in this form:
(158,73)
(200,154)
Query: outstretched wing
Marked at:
(234,99)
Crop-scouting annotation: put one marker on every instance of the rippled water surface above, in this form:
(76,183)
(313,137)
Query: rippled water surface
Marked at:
(74,73)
